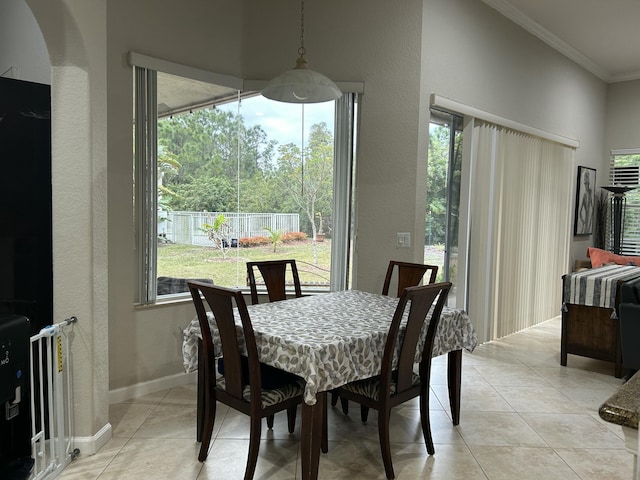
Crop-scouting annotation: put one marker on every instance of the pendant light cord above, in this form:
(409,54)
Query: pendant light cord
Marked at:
(302,156)
(301,50)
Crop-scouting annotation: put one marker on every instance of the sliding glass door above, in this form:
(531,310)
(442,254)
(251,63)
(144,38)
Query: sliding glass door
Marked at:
(443,197)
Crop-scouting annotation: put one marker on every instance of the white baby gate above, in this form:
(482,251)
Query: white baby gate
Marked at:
(51,402)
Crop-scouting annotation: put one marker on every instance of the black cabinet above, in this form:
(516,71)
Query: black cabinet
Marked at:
(26,275)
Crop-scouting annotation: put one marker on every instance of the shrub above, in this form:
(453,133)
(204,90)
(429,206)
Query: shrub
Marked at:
(293,237)
(247,242)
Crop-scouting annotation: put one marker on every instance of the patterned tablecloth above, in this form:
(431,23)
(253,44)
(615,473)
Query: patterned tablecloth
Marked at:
(330,339)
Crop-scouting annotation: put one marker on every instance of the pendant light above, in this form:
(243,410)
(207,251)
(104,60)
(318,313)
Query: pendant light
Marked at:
(301,85)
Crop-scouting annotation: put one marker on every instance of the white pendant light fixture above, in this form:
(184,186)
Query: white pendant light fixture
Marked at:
(301,85)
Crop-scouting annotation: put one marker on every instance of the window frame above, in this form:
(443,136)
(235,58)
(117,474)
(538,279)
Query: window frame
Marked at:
(145,162)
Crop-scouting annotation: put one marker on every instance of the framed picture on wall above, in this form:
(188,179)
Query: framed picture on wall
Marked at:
(585,201)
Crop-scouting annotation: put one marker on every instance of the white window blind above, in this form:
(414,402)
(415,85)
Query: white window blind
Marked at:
(624,170)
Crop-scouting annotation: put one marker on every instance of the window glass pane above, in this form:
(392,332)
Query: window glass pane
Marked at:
(249,179)
(625,171)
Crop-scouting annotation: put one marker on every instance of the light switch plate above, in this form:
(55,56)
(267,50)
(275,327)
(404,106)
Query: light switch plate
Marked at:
(403,240)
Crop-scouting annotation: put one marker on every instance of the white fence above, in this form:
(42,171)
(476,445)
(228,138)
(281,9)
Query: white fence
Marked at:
(186,227)
(51,415)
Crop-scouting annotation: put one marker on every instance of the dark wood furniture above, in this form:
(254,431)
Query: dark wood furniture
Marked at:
(409,275)
(300,335)
(397,383)
(229,389)
(592,331)
(274,274)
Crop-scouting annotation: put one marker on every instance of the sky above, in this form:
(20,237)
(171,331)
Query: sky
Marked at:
(281,121)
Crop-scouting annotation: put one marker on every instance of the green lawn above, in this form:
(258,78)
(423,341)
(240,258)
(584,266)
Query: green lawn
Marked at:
(191,261)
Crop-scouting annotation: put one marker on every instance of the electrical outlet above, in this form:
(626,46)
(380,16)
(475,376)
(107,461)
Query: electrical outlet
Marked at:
(403,240)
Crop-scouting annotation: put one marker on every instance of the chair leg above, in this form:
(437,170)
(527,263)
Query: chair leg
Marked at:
(385,445)
(364,413)
(334,399)
(291,418)
(324,444)
(345,406)
(270,422)
(208,420)
(425,422)
(254,447)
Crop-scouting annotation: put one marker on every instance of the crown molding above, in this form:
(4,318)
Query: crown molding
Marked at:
(519,18)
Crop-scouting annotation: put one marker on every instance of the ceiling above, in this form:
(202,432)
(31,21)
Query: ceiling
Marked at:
(600,35)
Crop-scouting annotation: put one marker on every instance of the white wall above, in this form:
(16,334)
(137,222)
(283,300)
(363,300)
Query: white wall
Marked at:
(622,119)
(146,342)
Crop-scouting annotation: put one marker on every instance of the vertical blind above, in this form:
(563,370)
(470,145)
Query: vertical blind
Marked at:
(520,228)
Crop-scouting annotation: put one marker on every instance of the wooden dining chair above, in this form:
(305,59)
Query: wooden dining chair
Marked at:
(229,388)
(274,274)
(409,275)
(398,384)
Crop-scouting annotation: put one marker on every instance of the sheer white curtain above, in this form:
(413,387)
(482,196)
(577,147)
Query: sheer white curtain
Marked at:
(520,229)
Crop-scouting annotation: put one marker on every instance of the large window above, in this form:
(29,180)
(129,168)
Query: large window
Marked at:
(231,177)
(625,170)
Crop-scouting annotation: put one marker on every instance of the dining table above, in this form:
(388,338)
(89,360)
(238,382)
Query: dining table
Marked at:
(329,340)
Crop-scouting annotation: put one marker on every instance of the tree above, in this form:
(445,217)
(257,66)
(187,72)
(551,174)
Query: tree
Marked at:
(275,237)
(218,232)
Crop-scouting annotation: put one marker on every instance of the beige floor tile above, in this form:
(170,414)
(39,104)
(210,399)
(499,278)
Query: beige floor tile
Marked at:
(598,464)
(169,421)
(277,460)
(538,399)
(126,418)
(539,357)
(152,398)
(89,467)
(450,462)
(488,354)
(498,429)
(571,377)
(475,398)
(363,461)
(512,376)
(522,463)
(153,459)
(588,398)
(184,395)
(352,460)
(572,431)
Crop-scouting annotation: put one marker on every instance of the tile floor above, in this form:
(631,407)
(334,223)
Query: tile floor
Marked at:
(523,417)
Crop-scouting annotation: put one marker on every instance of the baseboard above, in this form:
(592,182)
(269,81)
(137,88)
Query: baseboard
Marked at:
(90,445)
(139,389)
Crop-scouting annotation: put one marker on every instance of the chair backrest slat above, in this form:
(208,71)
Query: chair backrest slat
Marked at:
(274,274)
(408,275)
(221,302)
(420,300)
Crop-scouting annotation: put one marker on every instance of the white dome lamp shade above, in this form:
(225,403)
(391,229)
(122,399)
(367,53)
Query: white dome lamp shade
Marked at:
(301,85)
